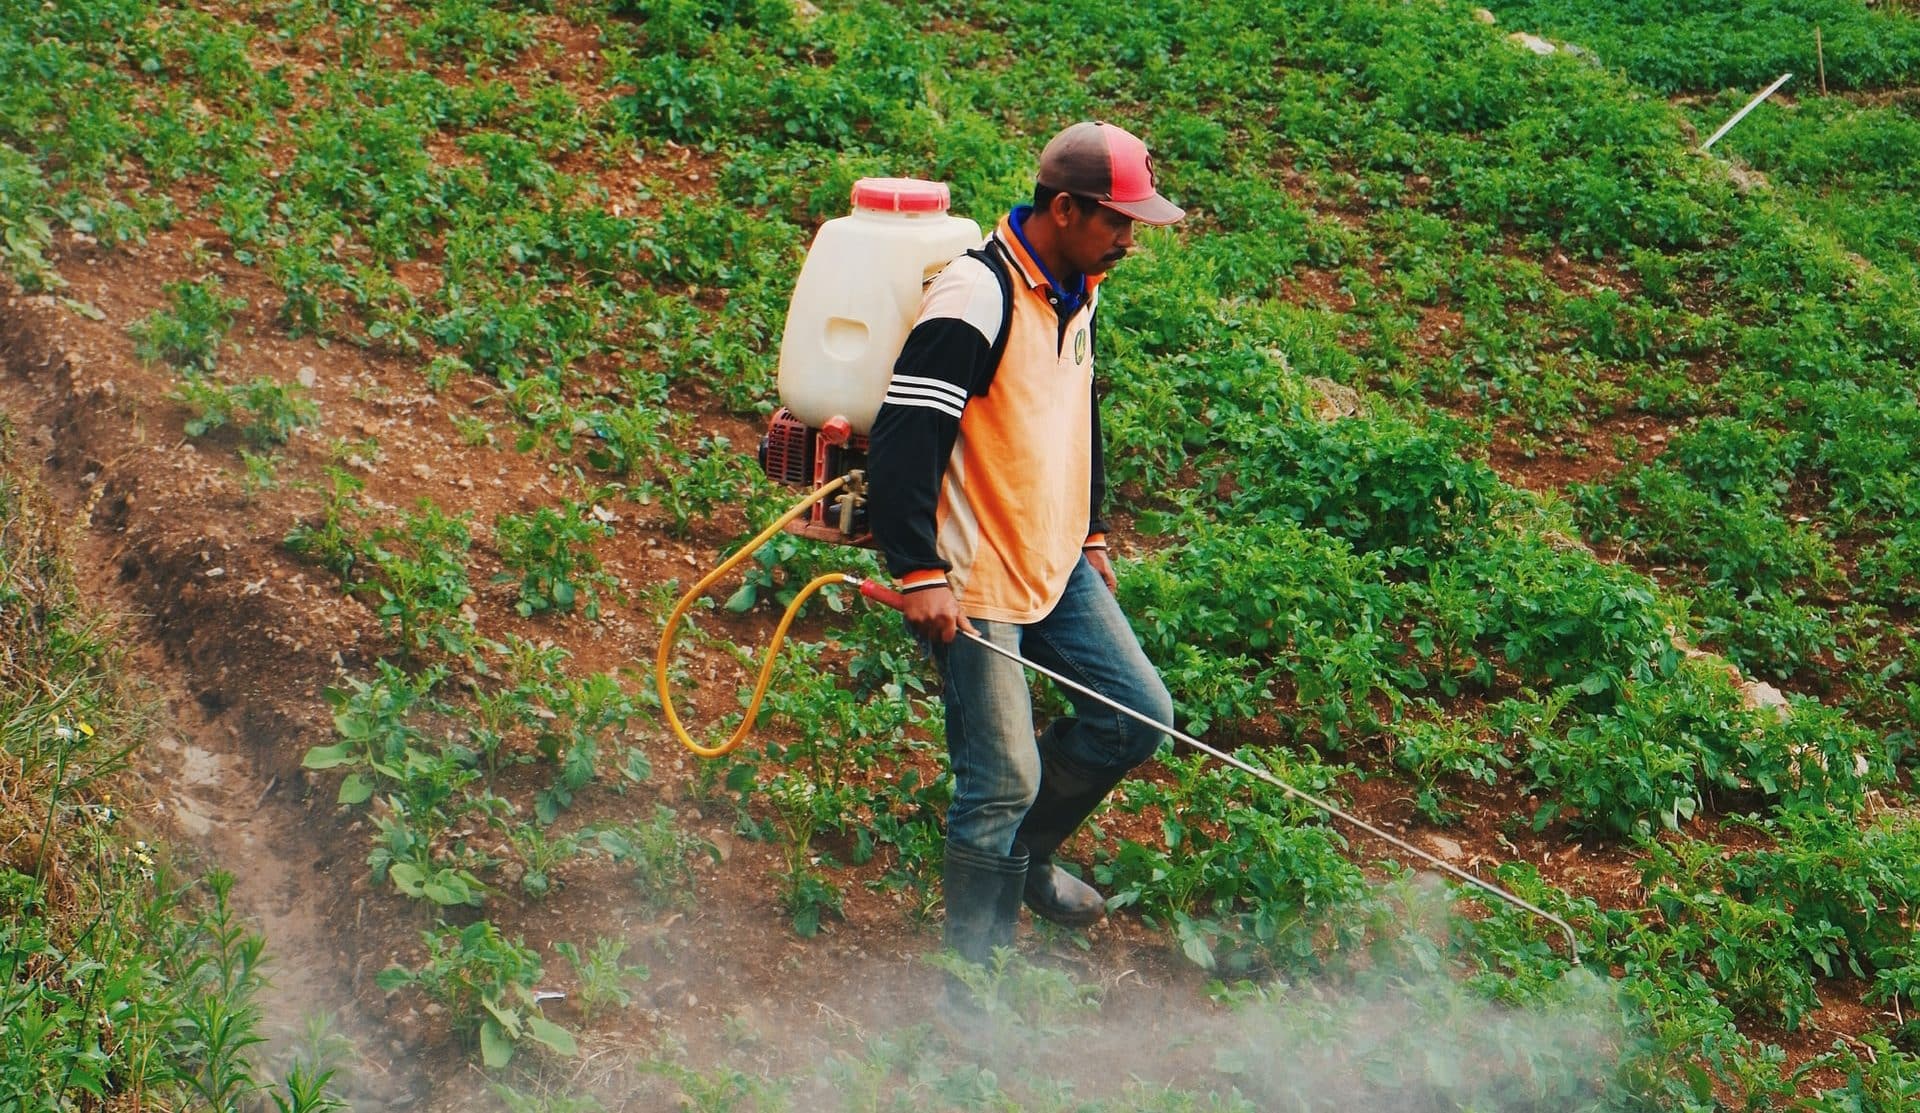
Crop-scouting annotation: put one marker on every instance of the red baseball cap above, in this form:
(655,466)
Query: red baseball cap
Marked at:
(1109,164)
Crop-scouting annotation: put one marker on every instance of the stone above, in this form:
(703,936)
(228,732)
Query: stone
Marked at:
(308,377)
(1748,180)
(1482,15)
(1762,696)
(1534,43)
(1333,401)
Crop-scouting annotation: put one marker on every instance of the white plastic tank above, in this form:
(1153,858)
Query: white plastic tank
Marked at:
(858,294)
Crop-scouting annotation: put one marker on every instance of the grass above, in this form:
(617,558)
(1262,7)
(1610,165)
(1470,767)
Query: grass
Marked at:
(125,985)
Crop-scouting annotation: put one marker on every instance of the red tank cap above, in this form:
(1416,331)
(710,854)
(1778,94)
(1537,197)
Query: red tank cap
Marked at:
(901,195)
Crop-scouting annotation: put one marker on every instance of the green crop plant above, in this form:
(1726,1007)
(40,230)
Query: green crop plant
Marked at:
(1447,624)
(629,439)
(783,566)
(1301,597)
(1638,767)
(541,855)
(1024,1001)
(1762,958)
(702,478)
(1241,886)
(1650,759)
(486,982)
(1557,615)
(265,411)
(580,714)
(1432,749)
(601,975)
(416,573)
(799,806)
(835,736)
(187,333)
(371,719)
(549,551)
(425,790)
(415,822)
(660,854)
(334,540)
(470,31)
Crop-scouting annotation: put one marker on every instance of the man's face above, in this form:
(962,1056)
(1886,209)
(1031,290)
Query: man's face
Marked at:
(1095,237)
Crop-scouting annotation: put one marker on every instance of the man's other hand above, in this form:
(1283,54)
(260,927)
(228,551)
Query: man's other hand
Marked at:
(1098,558)
(935,614)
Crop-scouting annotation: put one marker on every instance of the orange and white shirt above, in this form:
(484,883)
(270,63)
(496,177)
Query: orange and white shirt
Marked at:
(988,477)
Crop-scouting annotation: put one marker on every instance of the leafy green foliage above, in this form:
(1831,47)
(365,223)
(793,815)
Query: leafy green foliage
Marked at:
(550,550)
(661,856)
(1300,598)
(601,973)
(188,331)
(1647,762)
(1384,197)
(415,571)
(267,412)
(1698,48)
(1429,750)
(486,982)
(1240,886)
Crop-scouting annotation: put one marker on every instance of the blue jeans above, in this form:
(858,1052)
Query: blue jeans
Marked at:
(990,736)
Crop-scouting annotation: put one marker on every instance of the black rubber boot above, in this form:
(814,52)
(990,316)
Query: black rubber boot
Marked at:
(983,904)
(1068,795)
(983,900)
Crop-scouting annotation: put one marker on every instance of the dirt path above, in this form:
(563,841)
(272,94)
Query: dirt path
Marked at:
(215,769)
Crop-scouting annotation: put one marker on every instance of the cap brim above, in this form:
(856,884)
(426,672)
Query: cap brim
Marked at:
(1150,210)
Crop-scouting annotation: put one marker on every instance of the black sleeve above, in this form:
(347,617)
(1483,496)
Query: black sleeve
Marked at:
(945,359)
(1097,495)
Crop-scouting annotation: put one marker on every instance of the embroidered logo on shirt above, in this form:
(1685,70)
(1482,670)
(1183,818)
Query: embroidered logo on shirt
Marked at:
(1080,347)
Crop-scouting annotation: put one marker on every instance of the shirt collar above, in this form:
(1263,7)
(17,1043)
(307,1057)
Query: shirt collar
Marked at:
(1069,299)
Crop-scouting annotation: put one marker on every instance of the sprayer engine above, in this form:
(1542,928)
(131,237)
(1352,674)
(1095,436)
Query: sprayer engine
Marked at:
(795,452)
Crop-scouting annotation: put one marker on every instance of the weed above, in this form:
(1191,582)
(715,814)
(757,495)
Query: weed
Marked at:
(540,854)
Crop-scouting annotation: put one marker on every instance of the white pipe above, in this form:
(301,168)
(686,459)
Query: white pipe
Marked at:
(1742,114)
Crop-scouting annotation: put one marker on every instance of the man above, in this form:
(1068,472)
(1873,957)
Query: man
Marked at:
(985,496)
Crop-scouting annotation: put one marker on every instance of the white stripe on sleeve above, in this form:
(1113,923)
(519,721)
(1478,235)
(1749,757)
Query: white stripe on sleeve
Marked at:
(931,388)
(947,408)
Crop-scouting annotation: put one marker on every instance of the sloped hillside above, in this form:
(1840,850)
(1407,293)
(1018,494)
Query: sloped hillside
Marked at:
(1484,458)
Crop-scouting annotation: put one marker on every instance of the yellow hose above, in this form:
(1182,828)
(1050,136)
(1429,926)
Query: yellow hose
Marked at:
(679,611)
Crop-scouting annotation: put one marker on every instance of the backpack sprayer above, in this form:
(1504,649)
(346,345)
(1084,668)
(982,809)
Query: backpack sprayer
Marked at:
(854,302)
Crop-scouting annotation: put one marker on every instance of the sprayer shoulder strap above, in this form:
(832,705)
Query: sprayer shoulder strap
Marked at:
(993,257)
